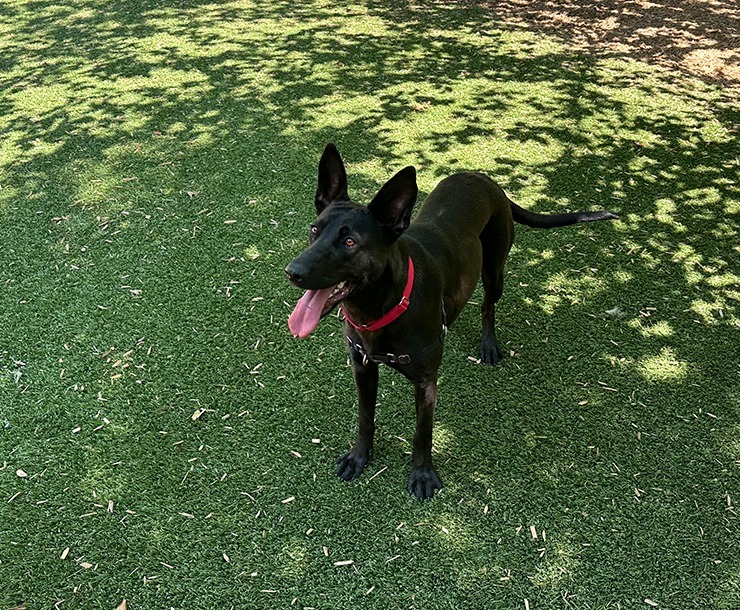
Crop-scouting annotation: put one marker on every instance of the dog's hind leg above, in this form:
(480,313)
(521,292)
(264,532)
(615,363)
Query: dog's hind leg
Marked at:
(495,249)
(490,350)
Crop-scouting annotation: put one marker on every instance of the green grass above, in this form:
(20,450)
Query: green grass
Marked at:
(157,167)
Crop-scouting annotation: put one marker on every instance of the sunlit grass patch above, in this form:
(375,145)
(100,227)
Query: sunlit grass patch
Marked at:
(664,366)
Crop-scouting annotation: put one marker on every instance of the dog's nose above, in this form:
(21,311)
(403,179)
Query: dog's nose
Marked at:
(293,274)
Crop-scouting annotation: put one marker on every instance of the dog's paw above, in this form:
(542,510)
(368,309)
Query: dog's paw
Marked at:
(423,482)
(491,353)
(350,465)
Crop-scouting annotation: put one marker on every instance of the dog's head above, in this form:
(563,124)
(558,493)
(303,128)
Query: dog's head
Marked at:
(349,243)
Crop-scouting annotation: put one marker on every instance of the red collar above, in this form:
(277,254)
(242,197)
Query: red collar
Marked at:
(394,313)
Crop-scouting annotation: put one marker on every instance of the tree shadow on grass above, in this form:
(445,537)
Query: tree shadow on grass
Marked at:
(159,167)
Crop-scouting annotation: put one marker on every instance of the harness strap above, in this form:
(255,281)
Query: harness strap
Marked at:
(396,358)
(400,358)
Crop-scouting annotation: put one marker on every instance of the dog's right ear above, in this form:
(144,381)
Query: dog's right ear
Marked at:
(394,202)
(332,185)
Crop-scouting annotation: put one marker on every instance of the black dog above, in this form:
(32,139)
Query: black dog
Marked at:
(400,284)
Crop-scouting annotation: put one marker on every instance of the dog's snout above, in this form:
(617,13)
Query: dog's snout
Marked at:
(293,273)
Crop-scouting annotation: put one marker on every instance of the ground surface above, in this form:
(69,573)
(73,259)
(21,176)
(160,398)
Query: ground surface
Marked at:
(701,37)
(165,440)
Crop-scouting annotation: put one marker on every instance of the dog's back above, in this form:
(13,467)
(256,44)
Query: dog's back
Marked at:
(451,227)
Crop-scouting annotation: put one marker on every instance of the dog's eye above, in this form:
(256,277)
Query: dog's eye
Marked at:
(350,242)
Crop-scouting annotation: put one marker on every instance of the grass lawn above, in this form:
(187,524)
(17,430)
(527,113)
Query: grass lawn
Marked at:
(165,440)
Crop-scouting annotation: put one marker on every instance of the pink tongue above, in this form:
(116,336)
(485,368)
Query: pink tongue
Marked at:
(307,313)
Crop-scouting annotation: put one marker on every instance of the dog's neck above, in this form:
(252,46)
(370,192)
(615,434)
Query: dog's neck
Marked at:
(381,295)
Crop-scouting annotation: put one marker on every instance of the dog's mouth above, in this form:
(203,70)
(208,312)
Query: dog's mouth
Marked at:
(314,305)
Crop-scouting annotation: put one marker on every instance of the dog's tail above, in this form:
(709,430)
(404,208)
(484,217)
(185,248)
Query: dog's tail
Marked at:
(549,221)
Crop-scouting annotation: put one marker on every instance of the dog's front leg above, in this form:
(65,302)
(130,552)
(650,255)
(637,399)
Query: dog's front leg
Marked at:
(352,463)
(424,480)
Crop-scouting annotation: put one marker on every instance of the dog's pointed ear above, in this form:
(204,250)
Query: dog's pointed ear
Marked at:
(332,184)
(394,202)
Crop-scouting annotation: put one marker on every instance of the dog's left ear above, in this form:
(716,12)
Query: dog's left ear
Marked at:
(332,183)
(394,202)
